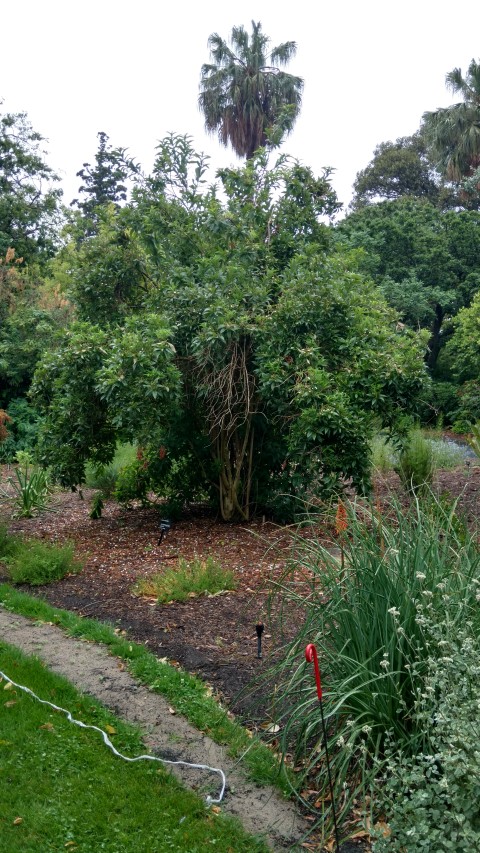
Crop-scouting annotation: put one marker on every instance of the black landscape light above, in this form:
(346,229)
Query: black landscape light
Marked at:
(165,526)
(259,627)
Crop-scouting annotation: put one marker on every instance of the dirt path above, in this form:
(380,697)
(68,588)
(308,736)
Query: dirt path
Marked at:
(92,670)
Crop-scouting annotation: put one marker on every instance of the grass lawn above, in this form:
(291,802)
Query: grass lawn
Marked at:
(185,692)
(62,789)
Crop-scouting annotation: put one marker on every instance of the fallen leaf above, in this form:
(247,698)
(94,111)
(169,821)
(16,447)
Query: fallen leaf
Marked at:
(48,726)
(8,686)
(10,704)
(172,710)
(384,828)
(18,821)
(110,730)
(216,809)
(71,844)
(271,728)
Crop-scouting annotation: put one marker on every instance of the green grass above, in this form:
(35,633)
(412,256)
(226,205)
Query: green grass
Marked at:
(187,579)
(72,793)
(187,694)
(35,562)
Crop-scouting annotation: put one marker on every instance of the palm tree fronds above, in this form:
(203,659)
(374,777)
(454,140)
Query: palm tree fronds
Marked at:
(242,97)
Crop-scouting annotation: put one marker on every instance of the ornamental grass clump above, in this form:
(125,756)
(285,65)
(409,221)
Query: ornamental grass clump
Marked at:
(187,580)
(29,489)
(34,562)
(416,465)
(374,625)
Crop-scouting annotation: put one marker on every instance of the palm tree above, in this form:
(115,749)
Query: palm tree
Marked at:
(453,133)
(244,95)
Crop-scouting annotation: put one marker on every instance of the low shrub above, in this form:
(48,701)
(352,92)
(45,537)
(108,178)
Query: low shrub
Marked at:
(132,483)
(8,543)
(197,577)
(415,465)
(417,461)
(34,562)
(96,506)
(29,487)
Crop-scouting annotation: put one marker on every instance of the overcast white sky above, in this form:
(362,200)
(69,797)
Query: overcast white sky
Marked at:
(131,68)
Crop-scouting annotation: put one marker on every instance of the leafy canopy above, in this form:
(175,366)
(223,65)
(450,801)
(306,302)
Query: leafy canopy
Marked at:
(29,202)
(425,260)
(252,358)
(397,169)
(453,133)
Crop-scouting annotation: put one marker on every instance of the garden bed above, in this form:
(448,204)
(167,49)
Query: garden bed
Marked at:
(213,637)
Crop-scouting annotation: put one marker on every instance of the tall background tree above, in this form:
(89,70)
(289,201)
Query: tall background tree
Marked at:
(397,169)
(425,260)
(453,133)
(104,183)
(244,94)
(29,200)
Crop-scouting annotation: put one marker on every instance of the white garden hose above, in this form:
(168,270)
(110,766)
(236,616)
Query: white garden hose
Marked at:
(107,741)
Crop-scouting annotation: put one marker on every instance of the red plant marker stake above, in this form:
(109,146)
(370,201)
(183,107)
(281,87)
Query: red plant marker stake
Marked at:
(311,655)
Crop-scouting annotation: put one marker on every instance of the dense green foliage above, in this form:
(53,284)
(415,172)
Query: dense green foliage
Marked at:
(432,797)
(104,183)
(397,169)
(28,199)
(463,358)
(246,357)
(426,261)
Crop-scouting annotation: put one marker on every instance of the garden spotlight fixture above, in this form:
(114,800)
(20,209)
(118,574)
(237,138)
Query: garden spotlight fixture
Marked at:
(259,628)
(165,526)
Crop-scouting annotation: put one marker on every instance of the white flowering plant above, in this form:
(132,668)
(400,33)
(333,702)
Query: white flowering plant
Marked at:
(432,799)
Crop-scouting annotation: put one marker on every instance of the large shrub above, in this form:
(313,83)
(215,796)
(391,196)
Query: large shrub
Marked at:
(249,359)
